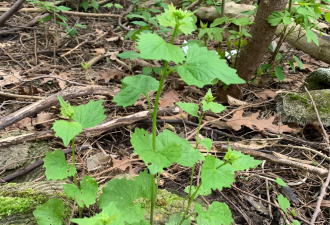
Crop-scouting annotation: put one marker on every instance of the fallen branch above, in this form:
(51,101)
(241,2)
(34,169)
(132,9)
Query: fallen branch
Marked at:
(71,92)
(11,11)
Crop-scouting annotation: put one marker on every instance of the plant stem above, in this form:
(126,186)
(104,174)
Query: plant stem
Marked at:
(75,175)
(223,8)
(189,203)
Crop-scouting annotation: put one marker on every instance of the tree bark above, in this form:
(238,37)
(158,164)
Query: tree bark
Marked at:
(253,53)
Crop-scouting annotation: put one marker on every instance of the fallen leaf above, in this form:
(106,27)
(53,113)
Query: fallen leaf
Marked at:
(94,162)
(266,94)
(234,101)
(237,121)
(108,74)
(123,164)
(98,51)
(9,78)
(168,99)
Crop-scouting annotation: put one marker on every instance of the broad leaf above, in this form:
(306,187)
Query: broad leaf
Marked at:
(275,18)
(123,193)
(109,215)
(240,161)
(133,87)
(90,115)
(129,55)
(190,108)
(215,174)
(299,63)
(214,32)
(86,194)
(218,214)
(162,157)
(207,143)
(203,66)
(57,168)
(66,109)
(311,36)
(279,73)
(284,202)
(50,213)
(66,130)
(152,46)
(280,182)
(213,106)
(176,219)
(189,156)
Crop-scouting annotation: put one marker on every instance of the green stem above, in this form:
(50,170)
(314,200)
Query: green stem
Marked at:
(223,8)
(154,129)
(189,203)
(75,175)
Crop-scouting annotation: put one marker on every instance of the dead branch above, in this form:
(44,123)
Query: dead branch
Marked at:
(11,11)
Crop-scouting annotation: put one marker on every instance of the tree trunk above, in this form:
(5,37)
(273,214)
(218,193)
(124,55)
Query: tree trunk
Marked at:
(253,53)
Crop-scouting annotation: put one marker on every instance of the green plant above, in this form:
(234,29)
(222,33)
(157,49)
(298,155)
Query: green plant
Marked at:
(294,19)
(57,168)
(199,67)
(94,3)
(85,65)
(54,10)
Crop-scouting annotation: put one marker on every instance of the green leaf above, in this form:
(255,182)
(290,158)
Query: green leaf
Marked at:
(176,219)
(327,16)
(279,73)
(94,4)
(311,36)
(50,213)
(219,21)
(241,161)
(86,194)
(299,63)
(284,202)
(295,222)
(189,156)
(66,109)
(218,214)
(215,174)
(57,168)
(208,96)
(152,46)
(129,55)
(190,108)
(109,215)
(90,115)
(242,21)
(147,70)
(85,5)
(133,87)
(201,191)
(213,106)
(109,5)
(118,6)
(212,32)
(123,193)
(66,130)
(62,17)
(207,143)
(162,157)
(140,23)
(203,66)
(275,18)
(292,65)
(63,8)
(280,182)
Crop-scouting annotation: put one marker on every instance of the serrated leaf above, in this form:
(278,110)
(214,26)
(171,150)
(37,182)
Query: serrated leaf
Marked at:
(203,66)
(299,63)
(242,21)
(219,21)
(201,191)
(189,156)
(218,214)
(208,96)
(176,219)
(280,182)
(212,32)
(190,108)
(152,46)
(213,106)
(123,193)
(311,36)
(284,202)
(213,176)
(66,130)
(57,168)
(241,161)
(207,143)
(129,55)
(275,18)
(63,8)
(162,157)
(66,109)
(133,87)
(109,215)
(90,115)
(50,213)
(86,194)
(279,73)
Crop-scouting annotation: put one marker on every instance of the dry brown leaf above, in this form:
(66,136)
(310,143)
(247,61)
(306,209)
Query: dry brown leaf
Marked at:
(266,94)
(237,121)
(98,51)
(217,124)
(123,164)
(94,162)
(9,78)
(108,74)
(62,83)
(234,101)
(168,99)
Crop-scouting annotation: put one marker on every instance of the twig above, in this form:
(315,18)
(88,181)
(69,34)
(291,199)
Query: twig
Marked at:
(10,12)
(130,8)
(19,96)
(193,5)
(326,183)
(36,78)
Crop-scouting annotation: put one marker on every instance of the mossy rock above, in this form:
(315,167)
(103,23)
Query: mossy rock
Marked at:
(317,80)
(18,201)
(297,107)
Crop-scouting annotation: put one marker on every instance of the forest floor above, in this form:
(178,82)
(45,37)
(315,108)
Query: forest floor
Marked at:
(34,66)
